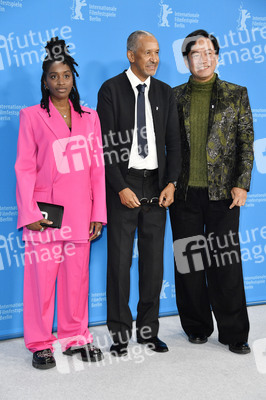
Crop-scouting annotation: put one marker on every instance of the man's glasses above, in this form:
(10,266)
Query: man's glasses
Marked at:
(145,201)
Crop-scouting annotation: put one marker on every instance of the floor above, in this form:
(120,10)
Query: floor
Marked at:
(186,372)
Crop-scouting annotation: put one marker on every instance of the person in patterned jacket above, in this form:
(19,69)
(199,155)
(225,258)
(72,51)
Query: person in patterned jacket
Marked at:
(217,157)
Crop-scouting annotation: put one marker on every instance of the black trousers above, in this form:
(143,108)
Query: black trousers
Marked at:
(208,273)
(122,224)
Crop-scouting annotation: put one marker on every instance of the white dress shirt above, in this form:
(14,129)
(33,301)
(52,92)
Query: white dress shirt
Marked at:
(135,160)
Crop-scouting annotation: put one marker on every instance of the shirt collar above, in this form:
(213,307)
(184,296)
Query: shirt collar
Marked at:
(135,81)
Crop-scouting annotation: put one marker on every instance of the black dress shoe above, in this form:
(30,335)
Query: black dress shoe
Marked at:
(43,359)
(154,344)
(118,349)
(197,338)
(88,352)
(240,348)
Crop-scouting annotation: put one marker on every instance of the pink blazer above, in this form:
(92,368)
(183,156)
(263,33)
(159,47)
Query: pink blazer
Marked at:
(61,167)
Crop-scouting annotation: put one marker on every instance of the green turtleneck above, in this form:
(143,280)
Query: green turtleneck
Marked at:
(199,117)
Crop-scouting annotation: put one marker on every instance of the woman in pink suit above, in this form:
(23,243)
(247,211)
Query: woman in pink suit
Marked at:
(59,161)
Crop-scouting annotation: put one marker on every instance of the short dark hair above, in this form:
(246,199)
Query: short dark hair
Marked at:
(191,39)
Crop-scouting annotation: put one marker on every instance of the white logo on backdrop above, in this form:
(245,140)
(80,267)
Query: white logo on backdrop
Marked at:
(94,12)
(260,155)
(242,45)
(259,351)
(16,4)
(27,49)
(164,12)
(76,9)
(11,251)
(135,248)
(78,154)
(165,285)
(178,19)
(191,254)
(243,16)
(84,103)
(179,60)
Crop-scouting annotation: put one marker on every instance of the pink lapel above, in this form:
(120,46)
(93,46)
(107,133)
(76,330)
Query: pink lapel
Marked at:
(56,122)
(66,142)
(79,123)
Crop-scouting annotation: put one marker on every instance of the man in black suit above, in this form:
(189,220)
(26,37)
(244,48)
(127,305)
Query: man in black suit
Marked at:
(140,131)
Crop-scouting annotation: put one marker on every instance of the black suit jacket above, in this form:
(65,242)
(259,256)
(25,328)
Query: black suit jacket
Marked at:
(116,109)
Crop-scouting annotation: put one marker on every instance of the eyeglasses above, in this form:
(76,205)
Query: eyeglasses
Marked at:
(145,201)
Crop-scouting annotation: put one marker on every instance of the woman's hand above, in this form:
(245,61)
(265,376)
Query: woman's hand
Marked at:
(36,226)
(95,230)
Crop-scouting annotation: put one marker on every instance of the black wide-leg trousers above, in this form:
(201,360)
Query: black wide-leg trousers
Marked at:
(149,220)
(208,268)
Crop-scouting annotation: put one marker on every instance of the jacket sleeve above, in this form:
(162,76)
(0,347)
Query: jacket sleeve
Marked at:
(244,144)
(173,141)
(97,175)
(26,171)
(106,111)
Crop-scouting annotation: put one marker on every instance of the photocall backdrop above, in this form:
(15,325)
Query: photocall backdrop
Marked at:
(96,31)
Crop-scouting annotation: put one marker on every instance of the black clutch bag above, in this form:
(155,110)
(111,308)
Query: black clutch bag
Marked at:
(53,212)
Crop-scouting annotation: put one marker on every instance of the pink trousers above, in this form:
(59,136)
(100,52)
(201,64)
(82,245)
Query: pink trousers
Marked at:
(68,263)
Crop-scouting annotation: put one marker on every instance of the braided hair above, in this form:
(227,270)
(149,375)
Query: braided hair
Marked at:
(57,50)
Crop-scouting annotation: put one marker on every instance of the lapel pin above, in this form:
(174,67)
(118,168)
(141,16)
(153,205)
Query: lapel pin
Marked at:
(157,108)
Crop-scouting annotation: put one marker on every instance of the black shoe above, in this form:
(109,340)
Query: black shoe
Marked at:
(43,359)
(154,344)
(88,352)
(240,348)
(197,338)
(118,350)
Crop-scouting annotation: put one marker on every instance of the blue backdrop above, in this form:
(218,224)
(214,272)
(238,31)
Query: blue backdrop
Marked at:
(96,32)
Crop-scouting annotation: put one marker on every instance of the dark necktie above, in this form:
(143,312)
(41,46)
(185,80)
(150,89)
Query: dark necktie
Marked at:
(141,123)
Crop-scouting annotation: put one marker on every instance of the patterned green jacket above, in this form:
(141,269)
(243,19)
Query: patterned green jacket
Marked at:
(229,147)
